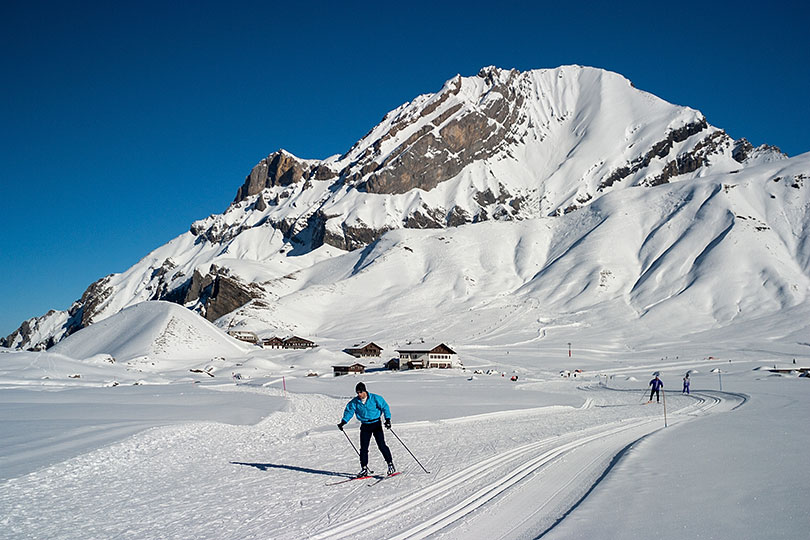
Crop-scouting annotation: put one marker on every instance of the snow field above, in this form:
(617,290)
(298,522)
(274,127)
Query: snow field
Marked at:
(210,480)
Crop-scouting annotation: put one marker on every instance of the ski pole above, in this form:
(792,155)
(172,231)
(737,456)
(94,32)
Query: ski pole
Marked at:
(665,406)
(350,442)
(409,451)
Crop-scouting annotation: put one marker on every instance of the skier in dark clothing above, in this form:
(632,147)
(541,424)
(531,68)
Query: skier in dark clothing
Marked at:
(368,408)
(685,384)
(656,385)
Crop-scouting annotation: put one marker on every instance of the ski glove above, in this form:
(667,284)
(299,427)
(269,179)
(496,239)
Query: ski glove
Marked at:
(388,423)
(341,424)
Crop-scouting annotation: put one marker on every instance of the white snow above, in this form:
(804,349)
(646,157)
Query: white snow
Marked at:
(213,457)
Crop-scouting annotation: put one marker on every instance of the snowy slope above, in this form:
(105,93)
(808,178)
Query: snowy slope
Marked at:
(670,260)
(152,331)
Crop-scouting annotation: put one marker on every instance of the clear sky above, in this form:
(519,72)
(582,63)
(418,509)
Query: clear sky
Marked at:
(122,123)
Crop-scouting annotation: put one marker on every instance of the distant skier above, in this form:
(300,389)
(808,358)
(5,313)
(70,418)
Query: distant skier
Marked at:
(656,385)
(685,384)
(368,408)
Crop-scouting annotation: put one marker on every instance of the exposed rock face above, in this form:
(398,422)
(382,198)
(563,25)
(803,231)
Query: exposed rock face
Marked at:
(439,150)
(89,304)
(662,150)
(228,294)
(280,169)
(351,237)
(216,293)
(492,117)
(435,152)
(23,335)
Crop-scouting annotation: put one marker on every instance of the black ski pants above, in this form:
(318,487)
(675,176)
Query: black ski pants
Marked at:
(366,431)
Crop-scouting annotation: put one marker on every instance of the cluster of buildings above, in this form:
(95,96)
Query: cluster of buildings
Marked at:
(419,356)
(412,356)
(292,342)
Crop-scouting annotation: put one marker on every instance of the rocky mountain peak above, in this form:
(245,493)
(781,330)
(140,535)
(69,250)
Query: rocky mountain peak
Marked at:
(501,145)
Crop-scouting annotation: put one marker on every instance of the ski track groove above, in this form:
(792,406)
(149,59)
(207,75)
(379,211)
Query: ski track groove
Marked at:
(143,469)
(522,463)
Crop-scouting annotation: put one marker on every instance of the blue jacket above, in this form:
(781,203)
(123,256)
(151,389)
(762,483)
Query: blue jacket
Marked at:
(656,384)
(368,412)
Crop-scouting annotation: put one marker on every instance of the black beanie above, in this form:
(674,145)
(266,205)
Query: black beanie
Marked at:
(360,387)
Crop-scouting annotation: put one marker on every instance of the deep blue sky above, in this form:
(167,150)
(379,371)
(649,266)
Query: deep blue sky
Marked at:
(124,123)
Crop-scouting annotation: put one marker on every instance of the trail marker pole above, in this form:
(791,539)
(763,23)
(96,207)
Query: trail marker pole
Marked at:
(665,406)
(719,377)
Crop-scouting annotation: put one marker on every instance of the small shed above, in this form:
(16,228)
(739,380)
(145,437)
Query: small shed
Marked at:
(345,370)
(392,364)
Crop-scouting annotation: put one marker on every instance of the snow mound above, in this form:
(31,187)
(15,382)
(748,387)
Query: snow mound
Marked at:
(151,331)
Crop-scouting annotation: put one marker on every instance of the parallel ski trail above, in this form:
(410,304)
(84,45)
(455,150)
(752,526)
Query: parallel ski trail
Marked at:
(207,480)
(520,463)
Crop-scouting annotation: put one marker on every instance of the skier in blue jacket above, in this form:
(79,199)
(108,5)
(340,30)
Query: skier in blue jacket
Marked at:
(656,385)
(368,408)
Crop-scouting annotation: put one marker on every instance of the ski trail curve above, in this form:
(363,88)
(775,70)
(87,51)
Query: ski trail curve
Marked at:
(559,472)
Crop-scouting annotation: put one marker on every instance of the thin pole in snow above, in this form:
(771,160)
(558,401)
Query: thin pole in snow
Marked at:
(350,442)
(409,451)
(719,377)
(665,406)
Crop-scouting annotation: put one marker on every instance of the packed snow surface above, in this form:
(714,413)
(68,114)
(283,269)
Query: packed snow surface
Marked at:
(171,453)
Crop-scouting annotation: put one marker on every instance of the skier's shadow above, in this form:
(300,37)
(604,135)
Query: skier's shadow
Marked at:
(268,466)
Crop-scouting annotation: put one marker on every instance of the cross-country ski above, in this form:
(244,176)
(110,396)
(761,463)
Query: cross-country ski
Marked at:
(353,478)
(382,478)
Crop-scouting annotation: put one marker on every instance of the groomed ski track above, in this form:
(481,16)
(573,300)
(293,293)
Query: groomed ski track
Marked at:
(555,473)
(509,474)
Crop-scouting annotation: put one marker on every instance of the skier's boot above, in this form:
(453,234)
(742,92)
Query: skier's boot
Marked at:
(363,472)
(391,469)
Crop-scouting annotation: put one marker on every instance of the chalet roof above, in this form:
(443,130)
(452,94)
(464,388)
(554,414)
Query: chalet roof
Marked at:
(441,348)
(362,345)
(296,338)
(357,364)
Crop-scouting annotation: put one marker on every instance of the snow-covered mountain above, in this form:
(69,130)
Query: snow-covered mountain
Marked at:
(555,197)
